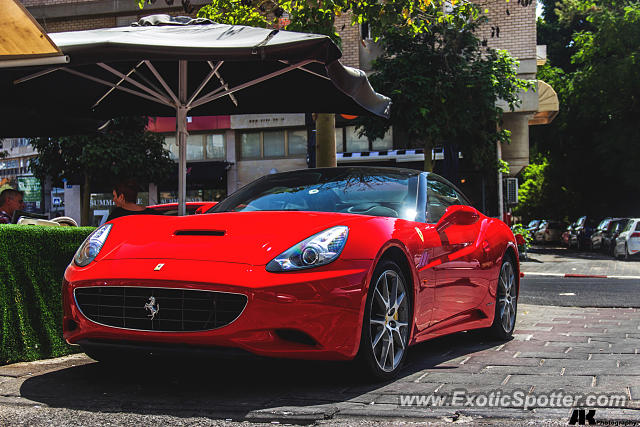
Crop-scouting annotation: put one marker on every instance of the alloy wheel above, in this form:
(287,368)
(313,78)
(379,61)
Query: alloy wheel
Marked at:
(389,320)
(507,297)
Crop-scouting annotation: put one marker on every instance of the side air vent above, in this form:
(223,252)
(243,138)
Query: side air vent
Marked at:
(199,233)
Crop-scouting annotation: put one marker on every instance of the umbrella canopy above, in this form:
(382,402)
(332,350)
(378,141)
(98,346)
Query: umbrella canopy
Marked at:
(168,66)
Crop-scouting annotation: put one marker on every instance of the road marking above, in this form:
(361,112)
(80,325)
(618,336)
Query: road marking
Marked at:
(567,294)
(582,276)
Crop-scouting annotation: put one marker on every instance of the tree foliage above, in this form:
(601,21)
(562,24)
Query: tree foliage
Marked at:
(126,149)
(593,144)
(444,85)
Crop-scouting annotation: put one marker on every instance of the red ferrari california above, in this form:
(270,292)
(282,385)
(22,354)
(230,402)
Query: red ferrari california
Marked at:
(335,264)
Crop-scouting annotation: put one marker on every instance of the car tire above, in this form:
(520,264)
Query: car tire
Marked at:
(386,324)
(506,305)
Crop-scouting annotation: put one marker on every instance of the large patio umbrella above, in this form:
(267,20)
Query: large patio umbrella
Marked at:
(23,43)
(168,66)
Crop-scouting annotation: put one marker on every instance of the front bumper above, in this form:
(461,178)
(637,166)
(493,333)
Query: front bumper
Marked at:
(324,306)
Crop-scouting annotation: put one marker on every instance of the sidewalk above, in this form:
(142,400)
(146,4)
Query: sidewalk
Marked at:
(576,351)
(560,261)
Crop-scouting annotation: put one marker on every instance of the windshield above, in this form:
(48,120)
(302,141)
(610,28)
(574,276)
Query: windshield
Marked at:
(366,191)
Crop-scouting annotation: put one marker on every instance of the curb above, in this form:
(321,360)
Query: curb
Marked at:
(581,276)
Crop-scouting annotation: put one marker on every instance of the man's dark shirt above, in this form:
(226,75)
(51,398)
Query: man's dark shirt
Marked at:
(118,212)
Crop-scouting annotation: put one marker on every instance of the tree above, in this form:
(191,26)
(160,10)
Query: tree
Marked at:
(444,87)
(125,150)
(592,145)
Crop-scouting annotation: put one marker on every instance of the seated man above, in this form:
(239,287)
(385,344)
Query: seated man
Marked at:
(125,195)
(10,201)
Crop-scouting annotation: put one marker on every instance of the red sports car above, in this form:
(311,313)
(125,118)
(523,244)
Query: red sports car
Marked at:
(192,208)
(336,263)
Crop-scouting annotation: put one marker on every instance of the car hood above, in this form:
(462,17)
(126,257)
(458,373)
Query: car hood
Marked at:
(238,237)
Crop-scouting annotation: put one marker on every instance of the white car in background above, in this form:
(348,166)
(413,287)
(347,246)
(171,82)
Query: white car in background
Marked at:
(628,242)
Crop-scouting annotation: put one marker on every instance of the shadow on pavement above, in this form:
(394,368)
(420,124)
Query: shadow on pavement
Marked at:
(230,388)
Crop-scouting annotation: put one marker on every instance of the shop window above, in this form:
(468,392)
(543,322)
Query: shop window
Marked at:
(297,142)
(386,143)
(199,147)
(215,147)
(250,145)
(273,144)
(195,150)
(339,140)
(355,143)
(347,140)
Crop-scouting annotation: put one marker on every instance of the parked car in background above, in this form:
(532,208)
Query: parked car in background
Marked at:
(565,238)
(609,239)
(533,225)
(628,242)
(602,236)
(548,231)
(581,232)
(192,208)
(598,233)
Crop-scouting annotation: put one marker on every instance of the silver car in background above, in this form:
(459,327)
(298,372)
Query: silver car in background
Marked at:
(628,242)
(548,231)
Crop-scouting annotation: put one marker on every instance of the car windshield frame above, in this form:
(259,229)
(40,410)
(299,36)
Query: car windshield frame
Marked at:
(387,192)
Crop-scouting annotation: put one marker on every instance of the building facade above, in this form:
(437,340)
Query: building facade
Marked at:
(226,152)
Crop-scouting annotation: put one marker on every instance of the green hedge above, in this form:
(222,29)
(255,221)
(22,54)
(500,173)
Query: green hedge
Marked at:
(32,263)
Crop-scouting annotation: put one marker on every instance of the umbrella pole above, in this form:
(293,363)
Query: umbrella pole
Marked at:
(181,136)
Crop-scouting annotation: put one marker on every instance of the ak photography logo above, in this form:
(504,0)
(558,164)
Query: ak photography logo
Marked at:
(582,417)
(588,417)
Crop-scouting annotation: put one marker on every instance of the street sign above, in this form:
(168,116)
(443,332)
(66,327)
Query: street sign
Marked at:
(32,189)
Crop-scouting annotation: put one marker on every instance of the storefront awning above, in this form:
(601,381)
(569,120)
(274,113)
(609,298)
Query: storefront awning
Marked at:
(548,105)
(22,41)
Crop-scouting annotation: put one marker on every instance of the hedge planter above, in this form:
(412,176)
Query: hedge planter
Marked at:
(32,264)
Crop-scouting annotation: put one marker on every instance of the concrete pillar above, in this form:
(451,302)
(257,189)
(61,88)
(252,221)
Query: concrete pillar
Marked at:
(516,153)
(232,173)
(326,140)
(72,202)
(153,194)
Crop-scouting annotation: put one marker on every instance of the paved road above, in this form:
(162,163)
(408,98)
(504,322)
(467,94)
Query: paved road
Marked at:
(553,260)
(579,292)
(576,350)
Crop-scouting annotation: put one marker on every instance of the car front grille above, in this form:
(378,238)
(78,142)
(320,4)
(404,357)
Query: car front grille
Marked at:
(159,309)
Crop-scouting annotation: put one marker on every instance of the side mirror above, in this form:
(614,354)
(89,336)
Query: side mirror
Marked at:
(458,215)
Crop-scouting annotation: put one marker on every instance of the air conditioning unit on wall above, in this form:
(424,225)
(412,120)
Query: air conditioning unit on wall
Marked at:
(511,190)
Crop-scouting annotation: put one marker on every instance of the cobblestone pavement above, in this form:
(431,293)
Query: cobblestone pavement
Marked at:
(555,349)
(556,260)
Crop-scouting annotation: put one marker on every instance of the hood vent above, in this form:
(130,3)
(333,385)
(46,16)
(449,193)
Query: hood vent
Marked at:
(218,233)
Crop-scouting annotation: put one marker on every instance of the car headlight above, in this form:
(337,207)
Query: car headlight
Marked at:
(319,249)
(90,248)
